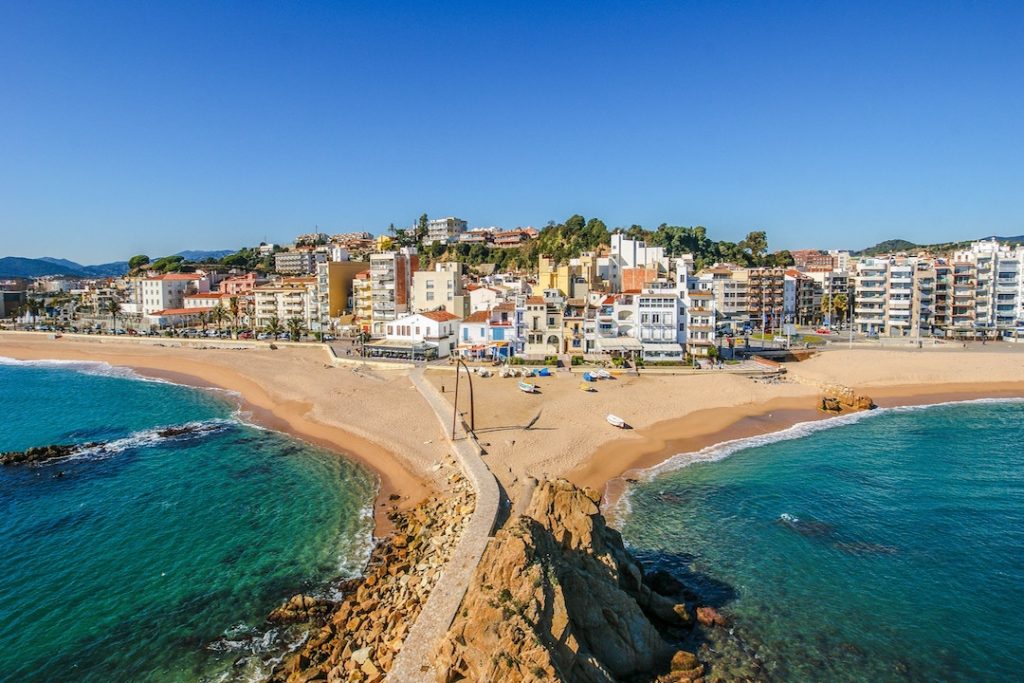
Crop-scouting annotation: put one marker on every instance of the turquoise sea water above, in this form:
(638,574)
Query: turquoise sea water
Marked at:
(882,547)
(158,559)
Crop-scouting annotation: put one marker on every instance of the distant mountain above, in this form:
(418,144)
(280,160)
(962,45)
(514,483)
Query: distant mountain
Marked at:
(1019,239)
(16,266)
(200,256)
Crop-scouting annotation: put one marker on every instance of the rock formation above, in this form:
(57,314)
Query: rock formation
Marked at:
(356,639)
(837,398)
(40,454)
(556,597)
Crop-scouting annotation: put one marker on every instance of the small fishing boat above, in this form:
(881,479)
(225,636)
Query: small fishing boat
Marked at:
(528,388)
(616,421)
(603,374)
(587,377)
(586,387)
(542,372)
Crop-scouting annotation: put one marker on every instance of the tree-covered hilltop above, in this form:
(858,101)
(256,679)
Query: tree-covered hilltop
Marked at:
(578,234)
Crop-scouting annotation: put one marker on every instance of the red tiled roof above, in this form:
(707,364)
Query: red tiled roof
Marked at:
(535,300)
(204,295)
(478,317)
(505,306)
(440,316)
(608,300)
(181,311)
(175,276)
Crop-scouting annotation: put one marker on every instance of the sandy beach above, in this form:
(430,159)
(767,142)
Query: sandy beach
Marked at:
(379,418)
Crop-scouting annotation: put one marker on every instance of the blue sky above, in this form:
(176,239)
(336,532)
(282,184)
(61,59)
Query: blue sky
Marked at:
(146,127)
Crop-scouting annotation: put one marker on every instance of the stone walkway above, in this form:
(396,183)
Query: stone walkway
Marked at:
(414,662)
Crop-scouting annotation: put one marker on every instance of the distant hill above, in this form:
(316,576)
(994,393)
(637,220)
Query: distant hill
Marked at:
(17,266)
(897,245)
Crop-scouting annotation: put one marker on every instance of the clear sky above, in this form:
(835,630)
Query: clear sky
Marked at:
(130,127)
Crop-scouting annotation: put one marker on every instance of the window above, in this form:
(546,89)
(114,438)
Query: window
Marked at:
(430,296)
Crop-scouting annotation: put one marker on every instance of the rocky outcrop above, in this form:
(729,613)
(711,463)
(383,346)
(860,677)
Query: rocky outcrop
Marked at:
(356,639)
(557,597)
(40,454)
(837,398)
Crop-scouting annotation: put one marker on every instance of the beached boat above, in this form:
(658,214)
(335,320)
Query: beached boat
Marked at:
(603,374)
(586,387)
(528,388)
(542,372)
(616,421)
(587,377)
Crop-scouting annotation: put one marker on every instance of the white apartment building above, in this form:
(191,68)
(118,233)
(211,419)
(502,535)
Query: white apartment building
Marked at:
(167,292)
(290,298)
(627,253)
(444,230)
(298,262)
(988,289)
(418,332)
(391,274)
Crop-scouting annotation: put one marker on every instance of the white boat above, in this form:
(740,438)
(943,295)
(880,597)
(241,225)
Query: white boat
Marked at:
(528,388)
(616,421)
(603,374)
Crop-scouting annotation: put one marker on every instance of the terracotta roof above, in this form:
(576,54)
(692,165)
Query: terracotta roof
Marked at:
(181,311)
(505,306)
(478,317)
(204,295)
(608,300)
(535,300)
(175,276)
(440,316)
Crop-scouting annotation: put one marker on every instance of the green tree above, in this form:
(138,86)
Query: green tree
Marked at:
(235,309)
(274,326)
(218,315)
(113,309)
(755,244)
(136,262)
(421,228)
(295,328)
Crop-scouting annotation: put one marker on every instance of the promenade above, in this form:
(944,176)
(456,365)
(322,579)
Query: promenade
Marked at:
(414,662)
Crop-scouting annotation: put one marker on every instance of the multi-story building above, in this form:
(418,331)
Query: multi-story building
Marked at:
(426,335)
(729,285)
(167,292)
(444,230)
(766,297)
(543,319)
(292,297)
(362,301)
(627,253)
(241,284)
(391,274)
(987,278)
(298,262)
(334,290)
(440,288)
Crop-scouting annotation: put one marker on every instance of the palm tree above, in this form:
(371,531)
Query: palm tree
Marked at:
(235,311)
(113,308)
(274,327)
(840,304)
(218,315)
(204,318)
(295,328)
(34,308)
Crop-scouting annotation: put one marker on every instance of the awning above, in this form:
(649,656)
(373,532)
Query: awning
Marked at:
(619,344)
(675,349)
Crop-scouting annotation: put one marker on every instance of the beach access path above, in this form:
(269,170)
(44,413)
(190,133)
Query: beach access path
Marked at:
(414,661)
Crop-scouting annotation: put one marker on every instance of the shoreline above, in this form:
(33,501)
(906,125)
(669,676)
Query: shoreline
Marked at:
(618,461)
(398,487)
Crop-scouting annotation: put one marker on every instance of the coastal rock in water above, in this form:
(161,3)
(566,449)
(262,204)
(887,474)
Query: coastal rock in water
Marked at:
(39,454)
(709,616)
(838,398)
(299,608)
(556,596)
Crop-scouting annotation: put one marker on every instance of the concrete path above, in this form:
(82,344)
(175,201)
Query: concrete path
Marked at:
(414,662)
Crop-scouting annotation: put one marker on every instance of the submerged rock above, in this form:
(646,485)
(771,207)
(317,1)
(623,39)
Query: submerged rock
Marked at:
(40,454)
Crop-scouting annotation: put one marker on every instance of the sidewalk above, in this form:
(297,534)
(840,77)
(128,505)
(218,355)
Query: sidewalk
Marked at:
(414,661)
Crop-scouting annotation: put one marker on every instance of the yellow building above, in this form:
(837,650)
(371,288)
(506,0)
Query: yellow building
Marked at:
(334,286)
